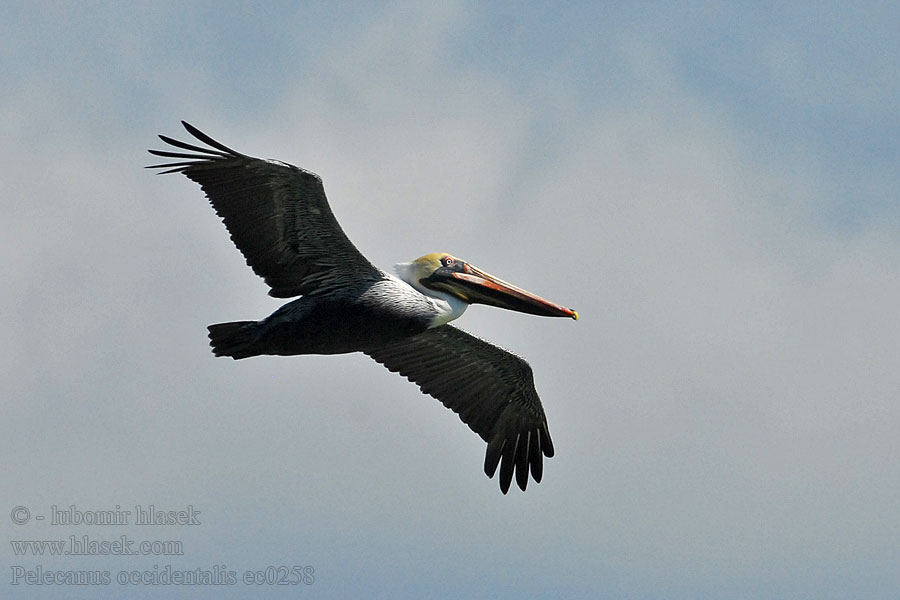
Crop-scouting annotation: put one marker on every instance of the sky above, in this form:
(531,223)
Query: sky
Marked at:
(713,186)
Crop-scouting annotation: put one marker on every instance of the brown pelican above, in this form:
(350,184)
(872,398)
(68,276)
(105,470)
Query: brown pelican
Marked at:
(279,219)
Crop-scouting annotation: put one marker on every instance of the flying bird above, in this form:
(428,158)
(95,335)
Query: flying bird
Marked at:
(279,218)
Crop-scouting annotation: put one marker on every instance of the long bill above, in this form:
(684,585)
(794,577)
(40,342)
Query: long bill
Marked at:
(479,287)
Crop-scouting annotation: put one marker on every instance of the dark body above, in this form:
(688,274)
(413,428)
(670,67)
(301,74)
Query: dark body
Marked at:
(362,317)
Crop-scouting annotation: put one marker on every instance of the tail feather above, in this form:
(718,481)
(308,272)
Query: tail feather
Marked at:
(235,339)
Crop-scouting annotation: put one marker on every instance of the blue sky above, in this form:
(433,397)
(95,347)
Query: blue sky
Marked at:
(712,186)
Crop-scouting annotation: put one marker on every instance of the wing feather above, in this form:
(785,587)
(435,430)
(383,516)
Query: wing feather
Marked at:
(277,214)
(491,389)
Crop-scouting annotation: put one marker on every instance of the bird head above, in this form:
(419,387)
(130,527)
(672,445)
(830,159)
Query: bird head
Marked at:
(442,272)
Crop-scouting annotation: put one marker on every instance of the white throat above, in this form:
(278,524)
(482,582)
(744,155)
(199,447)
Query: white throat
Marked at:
(448,306)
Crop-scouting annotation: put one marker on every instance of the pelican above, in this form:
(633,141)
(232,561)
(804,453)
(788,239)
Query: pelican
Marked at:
(279,218)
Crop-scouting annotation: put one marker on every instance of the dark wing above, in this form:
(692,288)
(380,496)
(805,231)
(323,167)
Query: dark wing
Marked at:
(491,390)
(277,214)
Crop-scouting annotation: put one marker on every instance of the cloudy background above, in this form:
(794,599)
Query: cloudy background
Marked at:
(714,188)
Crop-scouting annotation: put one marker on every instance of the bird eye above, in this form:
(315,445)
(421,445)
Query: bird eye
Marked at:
(448,261)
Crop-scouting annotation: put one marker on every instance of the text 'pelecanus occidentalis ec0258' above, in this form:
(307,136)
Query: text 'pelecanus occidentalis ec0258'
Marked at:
(279,219)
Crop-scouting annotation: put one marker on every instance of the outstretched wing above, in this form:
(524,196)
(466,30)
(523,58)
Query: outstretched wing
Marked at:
(491,390)
(277,214)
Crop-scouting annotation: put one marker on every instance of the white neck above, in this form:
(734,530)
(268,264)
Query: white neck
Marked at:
(448,306)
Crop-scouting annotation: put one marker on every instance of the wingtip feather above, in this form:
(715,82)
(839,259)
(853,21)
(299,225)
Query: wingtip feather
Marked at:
(208,140)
